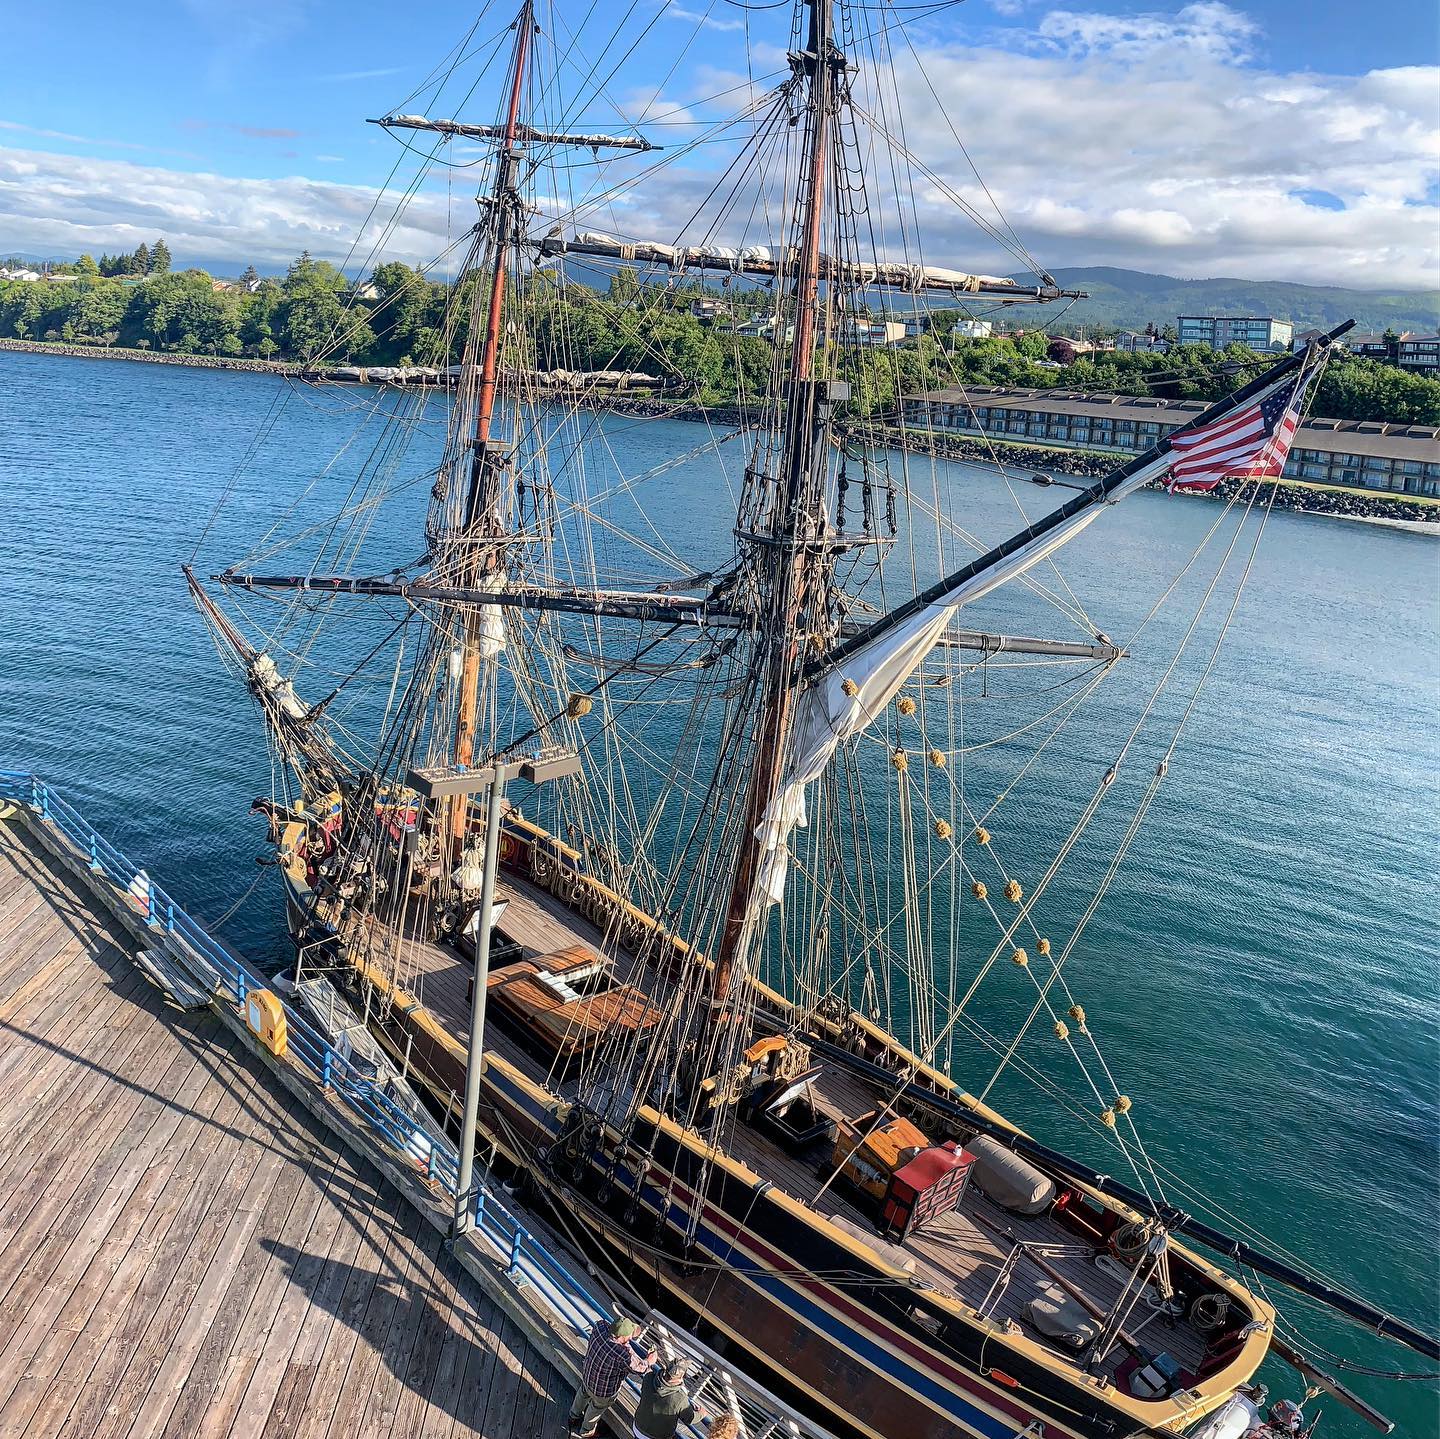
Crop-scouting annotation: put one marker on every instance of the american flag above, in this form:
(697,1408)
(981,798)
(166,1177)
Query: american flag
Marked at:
(1249,443)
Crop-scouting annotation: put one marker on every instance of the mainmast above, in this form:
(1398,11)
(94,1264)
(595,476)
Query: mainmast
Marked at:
(789,555)
(482,522)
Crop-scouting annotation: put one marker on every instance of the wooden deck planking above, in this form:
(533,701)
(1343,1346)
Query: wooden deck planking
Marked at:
(184,1250)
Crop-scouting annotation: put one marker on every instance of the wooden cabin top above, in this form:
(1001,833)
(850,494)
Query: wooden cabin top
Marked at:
(542,992)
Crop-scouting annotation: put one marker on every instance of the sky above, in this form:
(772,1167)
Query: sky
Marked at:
(1269,139)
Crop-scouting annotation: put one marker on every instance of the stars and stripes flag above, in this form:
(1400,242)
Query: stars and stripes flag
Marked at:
(1249,443)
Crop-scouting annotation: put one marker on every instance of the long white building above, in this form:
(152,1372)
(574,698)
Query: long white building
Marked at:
(1358,454)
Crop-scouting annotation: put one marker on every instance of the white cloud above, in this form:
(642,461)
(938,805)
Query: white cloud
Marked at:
(105,142)
(1146,141)
(1130,147)
(706,21)
(345,76)
(65,204)
(1209,30)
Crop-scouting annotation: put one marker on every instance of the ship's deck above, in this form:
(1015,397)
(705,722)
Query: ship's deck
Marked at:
(955,1253)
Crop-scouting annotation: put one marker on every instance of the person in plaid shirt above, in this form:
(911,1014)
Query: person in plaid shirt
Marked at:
(609,1361)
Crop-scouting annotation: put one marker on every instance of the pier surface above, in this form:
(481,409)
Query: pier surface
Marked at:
(184,1249)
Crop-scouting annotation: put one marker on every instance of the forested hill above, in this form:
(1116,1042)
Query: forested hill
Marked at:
(400,317)
(1132,299)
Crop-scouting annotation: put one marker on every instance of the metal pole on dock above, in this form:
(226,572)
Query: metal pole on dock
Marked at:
(538,769)
(464,1199)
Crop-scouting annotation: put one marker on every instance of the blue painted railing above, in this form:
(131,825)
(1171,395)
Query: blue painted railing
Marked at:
(525,1260)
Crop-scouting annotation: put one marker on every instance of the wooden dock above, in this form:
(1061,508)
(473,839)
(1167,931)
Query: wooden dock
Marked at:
(185,1250)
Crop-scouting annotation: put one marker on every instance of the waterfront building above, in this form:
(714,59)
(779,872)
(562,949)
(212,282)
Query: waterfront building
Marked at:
(1420,353)
(1358,454)
(865,331)
(1417,353)
(963,329)
(19,274)
(1129,343)
(1372,347)
(1067,351)
(1259,332)
(704,308)
(764,327)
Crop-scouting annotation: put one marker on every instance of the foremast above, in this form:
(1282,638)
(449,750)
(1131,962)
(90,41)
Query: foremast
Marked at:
(480,538)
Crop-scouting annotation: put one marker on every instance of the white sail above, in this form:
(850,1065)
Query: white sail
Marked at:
(841,702)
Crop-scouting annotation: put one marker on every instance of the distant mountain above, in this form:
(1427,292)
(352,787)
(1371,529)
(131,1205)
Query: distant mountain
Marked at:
(1131,299)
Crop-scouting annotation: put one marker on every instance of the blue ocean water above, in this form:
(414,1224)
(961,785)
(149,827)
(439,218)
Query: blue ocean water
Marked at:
(1263,971)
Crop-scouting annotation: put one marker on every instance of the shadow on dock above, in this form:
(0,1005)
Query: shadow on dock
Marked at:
(184,1249)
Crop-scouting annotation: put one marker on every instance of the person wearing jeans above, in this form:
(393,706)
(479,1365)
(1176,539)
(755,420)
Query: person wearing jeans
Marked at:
(609,1362)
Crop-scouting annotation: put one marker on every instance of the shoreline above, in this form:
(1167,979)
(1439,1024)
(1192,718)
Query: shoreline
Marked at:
(1387,510)
(157,357)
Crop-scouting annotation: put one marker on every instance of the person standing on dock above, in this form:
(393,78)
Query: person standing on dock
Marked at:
(609,1362)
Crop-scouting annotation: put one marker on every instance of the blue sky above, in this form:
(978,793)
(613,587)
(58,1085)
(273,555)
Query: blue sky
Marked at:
(1091,120)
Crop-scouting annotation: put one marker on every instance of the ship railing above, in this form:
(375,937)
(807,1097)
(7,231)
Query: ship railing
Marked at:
(525,1260)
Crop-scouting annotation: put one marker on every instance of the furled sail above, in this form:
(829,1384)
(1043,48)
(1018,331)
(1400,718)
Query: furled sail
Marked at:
(765,262)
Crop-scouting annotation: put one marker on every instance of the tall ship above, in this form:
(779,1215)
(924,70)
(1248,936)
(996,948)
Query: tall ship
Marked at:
(688,860)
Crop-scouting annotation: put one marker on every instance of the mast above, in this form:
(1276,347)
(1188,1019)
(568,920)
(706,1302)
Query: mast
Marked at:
(480,517)
(785,558)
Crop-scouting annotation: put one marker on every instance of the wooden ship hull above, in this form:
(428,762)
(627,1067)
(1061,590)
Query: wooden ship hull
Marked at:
(931,1339)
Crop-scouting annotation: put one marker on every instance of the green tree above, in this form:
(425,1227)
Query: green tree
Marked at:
(315,324)
(140,260)
(182,312)
(22,310)
(159,258)
(97,311)
(625,285)
(406,316)
(259,319)
(1033,344)
(86,265)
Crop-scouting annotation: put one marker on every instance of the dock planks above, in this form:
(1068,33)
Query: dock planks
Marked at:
(184,1250)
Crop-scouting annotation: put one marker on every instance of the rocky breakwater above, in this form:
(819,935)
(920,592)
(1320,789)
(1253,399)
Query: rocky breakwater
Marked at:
(153,357)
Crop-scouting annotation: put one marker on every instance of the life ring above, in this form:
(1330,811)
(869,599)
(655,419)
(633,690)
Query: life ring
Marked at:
(509,848)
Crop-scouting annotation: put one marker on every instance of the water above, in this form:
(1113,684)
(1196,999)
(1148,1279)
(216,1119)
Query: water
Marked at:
(1263,971)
